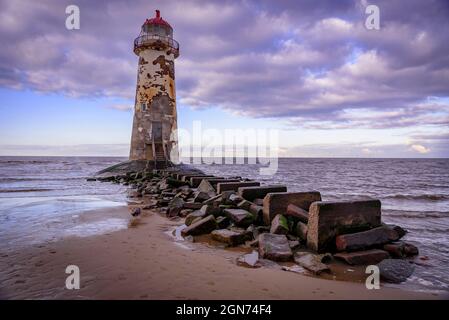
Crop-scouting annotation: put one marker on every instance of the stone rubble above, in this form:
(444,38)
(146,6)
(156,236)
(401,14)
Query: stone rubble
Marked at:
(283,226)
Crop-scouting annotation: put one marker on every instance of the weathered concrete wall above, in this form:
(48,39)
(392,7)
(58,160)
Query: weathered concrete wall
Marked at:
(155,104)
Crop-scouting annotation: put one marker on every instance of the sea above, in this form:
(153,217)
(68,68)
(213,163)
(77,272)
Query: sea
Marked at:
(41,199)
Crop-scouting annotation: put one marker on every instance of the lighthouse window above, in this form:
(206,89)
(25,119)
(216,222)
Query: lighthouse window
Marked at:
(143,106)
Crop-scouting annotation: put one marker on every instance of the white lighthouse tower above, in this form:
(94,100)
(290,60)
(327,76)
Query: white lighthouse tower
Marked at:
(155,121)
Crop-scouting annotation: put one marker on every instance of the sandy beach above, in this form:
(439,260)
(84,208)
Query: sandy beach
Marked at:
(144,262)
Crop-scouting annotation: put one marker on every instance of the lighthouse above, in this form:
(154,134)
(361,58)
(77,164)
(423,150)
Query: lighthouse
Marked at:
(155,122)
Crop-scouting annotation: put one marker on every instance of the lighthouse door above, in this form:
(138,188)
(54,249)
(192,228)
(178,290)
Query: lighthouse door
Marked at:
(156,131)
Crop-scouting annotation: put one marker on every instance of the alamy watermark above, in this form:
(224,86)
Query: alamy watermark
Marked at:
(73,20)
(228,146)
(72,282)
(373,280)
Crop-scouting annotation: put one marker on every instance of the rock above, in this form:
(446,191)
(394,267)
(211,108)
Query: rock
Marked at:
(279,225)
(251,193)
(215,181)
(397,232)
(197,214)
(195,181)
(330,219)
(301,231)
(207,188)
(257,212)
(367,257)
(185,212)
(208,209)
(311,262)
(136,212)
(395,270)
(192,205)
(297,213)
(175,183)
(277,203)
(213,199)
(244,204)
(240,217)
(258,202)
(201,196)
(228,236)
(401,249)
(293,244)
(249,260)
(175,206)
(365,239)
(235,198)
(233,186)
(274,247)
(222,222)
(205,225)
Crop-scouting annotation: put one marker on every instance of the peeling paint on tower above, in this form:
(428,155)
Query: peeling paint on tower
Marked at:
(155,117)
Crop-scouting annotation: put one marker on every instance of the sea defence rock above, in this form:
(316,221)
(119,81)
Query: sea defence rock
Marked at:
(279,225)
(395,270)
(330,219)
(297,213)
(367,257)
(230,237)
(195,181)
(215,181)
(274,247)
(194,216)
(234,186)
(401,249)
(366,239)
(240,217)
(205,225)
(301,231)
(175,206)
(311,262)
(277,203)
(251,193)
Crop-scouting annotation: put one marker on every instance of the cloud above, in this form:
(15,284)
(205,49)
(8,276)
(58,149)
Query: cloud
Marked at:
(419,148)
(314,65)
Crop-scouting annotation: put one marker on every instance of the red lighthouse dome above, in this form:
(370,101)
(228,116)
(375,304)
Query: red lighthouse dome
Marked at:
(157,20)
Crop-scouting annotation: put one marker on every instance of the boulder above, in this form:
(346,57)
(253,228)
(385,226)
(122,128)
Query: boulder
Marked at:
(365,239)
(395,270)
(277,203)
(192,205)
(197,214)
(367,257)
(330,219)
(235,198)
(206,187)
(234,186)
(250,260)
(240,217)
(244,204)
(398,232)
(401,249)
(201,196)
(230,237)
(311,262)
(175,206)
(251,193)
(208,209)
(195,181)
(222,222)
(297,213)
(205,225)
(301,231)
(279,225)
(274,247)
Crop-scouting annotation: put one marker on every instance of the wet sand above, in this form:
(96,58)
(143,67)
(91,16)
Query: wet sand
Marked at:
(144,262)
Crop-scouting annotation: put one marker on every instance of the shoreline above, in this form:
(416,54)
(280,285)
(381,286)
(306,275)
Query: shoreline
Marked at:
(144,262)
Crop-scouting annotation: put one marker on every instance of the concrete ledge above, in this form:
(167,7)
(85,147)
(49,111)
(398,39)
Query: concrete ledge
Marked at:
(234,186)
(330,219)
(277,203)
(251,193)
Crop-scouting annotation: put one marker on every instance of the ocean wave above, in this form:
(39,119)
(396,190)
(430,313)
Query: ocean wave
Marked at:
(415,214)
(24,190)
(430,197)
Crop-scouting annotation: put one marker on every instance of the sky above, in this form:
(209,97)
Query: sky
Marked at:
(309,69)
